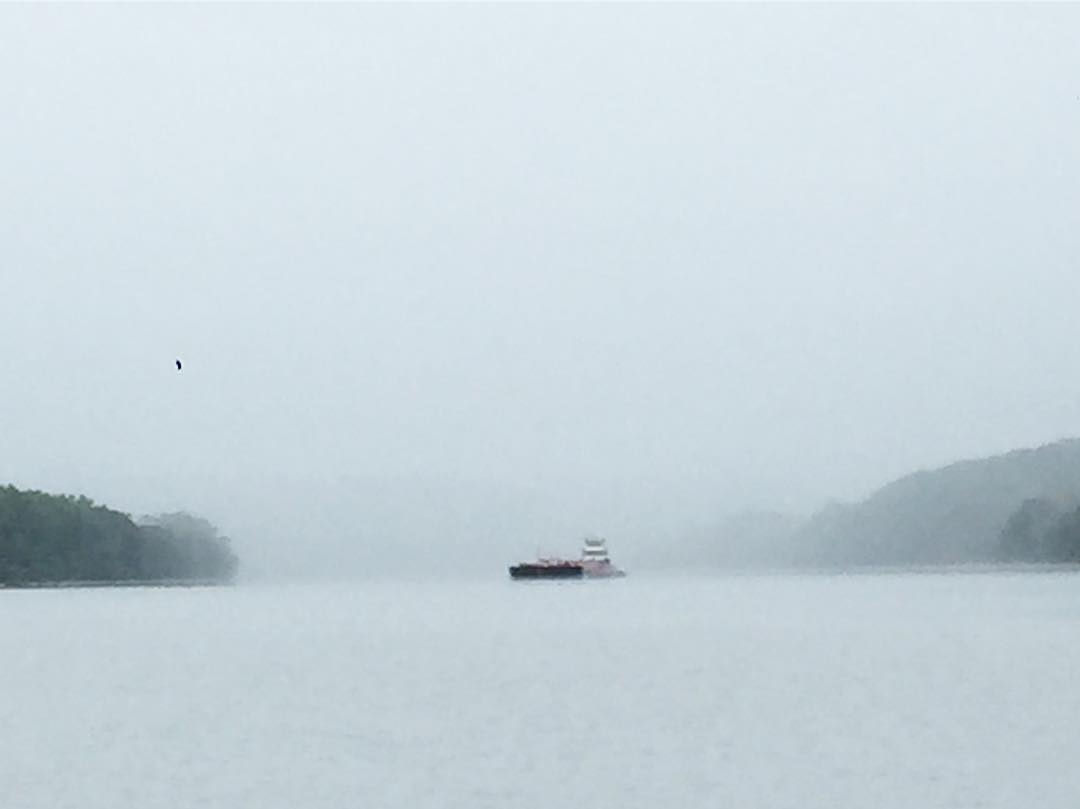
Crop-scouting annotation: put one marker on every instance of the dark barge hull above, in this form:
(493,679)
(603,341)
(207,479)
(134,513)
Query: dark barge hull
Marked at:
(528,571)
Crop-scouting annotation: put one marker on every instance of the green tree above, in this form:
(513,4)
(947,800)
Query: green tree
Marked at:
(1027,535)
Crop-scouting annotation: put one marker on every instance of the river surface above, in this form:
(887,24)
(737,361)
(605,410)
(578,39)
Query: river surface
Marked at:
(897,690)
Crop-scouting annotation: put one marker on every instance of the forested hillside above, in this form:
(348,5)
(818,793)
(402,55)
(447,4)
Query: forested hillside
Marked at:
(956,514)
(61,538)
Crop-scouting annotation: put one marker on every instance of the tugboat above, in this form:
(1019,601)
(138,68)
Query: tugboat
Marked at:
(595,560)
(594,564)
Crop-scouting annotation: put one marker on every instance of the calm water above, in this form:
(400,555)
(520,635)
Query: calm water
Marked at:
(774,691)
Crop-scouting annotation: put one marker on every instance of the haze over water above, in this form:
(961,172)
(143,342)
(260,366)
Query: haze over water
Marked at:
(891,691)
(454,281)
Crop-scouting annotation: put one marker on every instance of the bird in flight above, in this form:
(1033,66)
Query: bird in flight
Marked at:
(178,365)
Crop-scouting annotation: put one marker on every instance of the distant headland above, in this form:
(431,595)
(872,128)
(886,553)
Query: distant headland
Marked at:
(1021,507)
(49,540)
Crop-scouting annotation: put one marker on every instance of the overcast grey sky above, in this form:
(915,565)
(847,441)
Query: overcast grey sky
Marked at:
(615,268)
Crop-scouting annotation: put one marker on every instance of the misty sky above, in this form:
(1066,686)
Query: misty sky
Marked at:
(522,272)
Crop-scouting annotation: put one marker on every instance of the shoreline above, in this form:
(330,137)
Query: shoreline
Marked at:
(98,584)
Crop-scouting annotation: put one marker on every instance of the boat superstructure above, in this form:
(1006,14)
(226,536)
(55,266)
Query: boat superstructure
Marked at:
(596,561)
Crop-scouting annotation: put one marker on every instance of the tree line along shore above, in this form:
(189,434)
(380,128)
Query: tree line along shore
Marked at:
(64,540)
